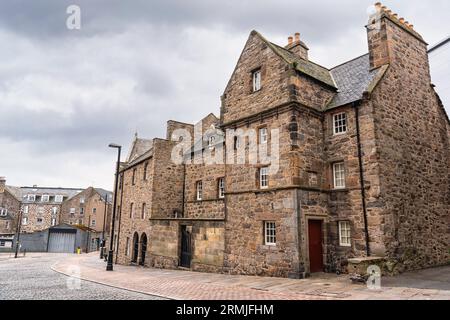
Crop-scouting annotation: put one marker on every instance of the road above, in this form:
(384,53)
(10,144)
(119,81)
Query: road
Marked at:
(31,278)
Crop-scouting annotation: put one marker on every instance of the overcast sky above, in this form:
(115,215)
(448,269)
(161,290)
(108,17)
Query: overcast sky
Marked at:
(65,94)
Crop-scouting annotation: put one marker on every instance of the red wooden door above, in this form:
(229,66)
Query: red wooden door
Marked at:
(315,245)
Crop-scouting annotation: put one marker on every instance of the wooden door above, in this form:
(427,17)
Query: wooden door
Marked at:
(315,245)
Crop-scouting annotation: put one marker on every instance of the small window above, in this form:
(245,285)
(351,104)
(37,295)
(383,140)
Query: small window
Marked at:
(145,171)
(144,211)
(344,234)
(54,210)
(270,237)
(59,198)
(133,177)
(127,247)
(339,175)
(340,123)
(31,197)
(72,210)
(45,198)
(82,200)
(39,220)
(81,210)
(24,221)
(8,224)
(3,212)
(256,76)
(264,177)
(80,222)
(41,210)
(211,141)
(221,188)
(263,136)
(237,142)
(94,210)
(25,209)
(53,222)
(199,190)
(132,210)
(93,223)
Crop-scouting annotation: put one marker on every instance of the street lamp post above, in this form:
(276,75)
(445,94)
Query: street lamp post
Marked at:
(109,266)
(19,225)
(102,249)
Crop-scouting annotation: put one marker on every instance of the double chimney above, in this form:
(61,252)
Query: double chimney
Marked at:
(295,45)
(2,184)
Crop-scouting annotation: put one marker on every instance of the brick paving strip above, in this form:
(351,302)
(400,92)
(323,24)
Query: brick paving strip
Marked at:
(187,285)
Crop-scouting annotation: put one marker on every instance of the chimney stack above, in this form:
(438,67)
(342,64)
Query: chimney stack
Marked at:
(2,184)
(298,47)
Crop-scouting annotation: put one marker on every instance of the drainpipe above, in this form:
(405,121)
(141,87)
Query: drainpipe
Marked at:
(120,215)
(356,105)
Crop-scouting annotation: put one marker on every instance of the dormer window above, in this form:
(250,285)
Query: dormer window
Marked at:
(45,198)
(256,76)
(31,197)
(59,198)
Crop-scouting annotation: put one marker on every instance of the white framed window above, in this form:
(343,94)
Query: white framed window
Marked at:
(339,175)
(263,135)
(256,76)
(344,234)
(82,200)
(53,222)
(45,198)
(72,210)
(8,224)
(270,233)
(81,210)
(31,197)
(24,221)
(127,247)
(264,177)
(2,243)
(93,223)
(340,123)
(39,220)
(94,210)
(199,190)
(144,211)
(3,212)
(59,198)
(41,210)
(54,210)
(221,188)
(25,209)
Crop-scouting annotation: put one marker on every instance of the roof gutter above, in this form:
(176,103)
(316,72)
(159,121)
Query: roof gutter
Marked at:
(356,105)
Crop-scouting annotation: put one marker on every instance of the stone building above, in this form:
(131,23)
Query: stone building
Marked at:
(41,206)
(90,208)
(362,164)
(9,212)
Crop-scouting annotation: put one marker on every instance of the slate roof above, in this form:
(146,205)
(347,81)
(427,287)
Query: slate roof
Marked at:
(352,79)
(103,192)
(305,66)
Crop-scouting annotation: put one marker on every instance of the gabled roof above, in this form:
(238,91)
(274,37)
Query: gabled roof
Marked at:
(353,78)
(138,148)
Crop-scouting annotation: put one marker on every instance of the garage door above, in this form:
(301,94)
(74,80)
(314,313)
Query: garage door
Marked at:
(61,242)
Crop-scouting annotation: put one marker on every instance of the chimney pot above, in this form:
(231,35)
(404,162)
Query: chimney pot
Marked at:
(297,37)
(395,15)
(402,20)
(383,8)
(290,39)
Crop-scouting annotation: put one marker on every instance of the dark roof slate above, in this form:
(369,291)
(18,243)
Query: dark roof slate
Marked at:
(352,79)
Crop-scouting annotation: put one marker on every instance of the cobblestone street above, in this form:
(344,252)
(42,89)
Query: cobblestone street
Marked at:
(44,276)
(32,278)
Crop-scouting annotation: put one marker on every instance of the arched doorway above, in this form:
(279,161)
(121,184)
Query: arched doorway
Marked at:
(134,257)
(143,248)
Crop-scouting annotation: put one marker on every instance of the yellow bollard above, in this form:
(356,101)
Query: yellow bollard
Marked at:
(78,250)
